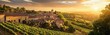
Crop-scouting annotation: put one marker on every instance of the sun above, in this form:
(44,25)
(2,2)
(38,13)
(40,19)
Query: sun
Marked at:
(95,8)
(95,5)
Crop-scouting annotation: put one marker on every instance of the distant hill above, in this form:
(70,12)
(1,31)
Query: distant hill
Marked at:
(91,16)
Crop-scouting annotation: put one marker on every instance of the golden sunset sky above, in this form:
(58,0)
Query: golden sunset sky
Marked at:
(59,5)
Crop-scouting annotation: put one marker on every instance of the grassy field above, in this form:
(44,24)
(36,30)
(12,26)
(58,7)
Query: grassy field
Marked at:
(22,29)
(81,25)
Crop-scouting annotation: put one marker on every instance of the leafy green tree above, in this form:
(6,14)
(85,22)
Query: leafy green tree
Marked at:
(102,25)
(70,28)
(48,24)
(61,17)
(64,28)
(23,8)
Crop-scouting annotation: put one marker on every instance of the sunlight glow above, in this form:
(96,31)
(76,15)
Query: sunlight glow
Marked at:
(95,4)
(95,8)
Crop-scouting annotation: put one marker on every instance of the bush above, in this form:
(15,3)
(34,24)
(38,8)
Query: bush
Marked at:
(70,28)
(61,17)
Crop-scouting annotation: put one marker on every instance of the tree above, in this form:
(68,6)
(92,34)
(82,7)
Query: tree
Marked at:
(22,10)
(61,17)
(48,24)
(64,28)
(70,28)
(102,25)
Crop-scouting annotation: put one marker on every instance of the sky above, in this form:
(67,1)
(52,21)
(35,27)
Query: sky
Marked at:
(59,5)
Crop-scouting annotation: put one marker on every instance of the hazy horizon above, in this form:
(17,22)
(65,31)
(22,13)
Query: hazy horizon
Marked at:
(59,5)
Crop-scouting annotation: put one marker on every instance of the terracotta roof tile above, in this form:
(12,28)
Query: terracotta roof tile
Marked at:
(15,14)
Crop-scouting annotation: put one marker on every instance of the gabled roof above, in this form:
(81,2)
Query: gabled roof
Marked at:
(2,14)
(32,16)
(16,14)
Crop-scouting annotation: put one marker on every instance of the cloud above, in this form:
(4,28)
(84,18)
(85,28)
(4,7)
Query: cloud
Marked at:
(67,2)
(95,2)
(28,0)
(20,1)
(42,1)
(6,0)
(17,1)
(45,3)
(48,1)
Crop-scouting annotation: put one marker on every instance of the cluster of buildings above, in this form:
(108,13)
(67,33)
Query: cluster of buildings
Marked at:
(20,17)
(13,17)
